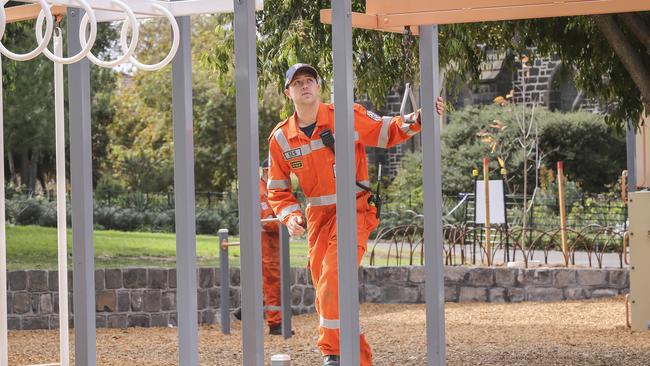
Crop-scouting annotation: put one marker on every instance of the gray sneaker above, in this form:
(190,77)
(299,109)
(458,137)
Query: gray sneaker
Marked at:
(332,360)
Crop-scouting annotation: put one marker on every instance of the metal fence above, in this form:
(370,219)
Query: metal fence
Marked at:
(589,246)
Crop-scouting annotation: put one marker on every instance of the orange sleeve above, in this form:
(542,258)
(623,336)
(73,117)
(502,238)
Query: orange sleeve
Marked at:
(265,210)
(267,213)
(280,196)
(383,132)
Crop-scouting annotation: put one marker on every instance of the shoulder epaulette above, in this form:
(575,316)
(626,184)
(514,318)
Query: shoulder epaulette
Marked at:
(279,125)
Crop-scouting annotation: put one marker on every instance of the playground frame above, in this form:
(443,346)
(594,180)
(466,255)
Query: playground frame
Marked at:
(425,16)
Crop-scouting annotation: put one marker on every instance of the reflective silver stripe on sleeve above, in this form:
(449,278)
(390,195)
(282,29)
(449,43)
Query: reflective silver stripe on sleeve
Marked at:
(321,200)
(356,135)
(272,308)
(330,323)
(268,217)
(288,210)
(281,139)
(278,184)
(382,141)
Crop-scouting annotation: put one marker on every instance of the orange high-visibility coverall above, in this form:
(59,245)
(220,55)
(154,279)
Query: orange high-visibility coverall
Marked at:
(270,262)
(291,151)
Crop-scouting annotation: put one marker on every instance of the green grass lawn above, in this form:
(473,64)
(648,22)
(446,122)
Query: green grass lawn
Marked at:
(35,247)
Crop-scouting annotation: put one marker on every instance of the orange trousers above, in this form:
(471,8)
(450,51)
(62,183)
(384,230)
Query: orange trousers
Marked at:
(323,263)
(271,277)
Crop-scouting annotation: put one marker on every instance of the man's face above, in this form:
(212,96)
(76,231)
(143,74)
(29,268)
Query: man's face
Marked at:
(303,90)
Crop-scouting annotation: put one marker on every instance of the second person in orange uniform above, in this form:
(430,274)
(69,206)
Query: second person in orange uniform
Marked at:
(270,259)
(299,145)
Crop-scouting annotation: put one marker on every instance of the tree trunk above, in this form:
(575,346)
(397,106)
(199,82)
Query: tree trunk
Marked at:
(12,166)
(636,24)
(28,164)
(628,56)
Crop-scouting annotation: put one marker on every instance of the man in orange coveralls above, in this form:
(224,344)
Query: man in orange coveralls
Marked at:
(302,144)
(270,260)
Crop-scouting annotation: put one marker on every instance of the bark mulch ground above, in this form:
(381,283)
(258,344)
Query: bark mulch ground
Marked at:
(564,333)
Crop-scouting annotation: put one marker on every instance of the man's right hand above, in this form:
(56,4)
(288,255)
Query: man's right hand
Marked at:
(295,225)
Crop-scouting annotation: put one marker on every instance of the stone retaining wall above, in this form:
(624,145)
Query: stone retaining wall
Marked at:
(147,297)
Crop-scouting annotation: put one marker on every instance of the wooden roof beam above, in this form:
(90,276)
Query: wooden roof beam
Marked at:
(27,12)
(364,21)
(392,13)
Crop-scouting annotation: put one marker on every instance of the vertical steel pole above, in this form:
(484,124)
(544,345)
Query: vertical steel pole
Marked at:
(188,341)
(249,176)
(346,218)
(224,281)
(4,338)
(81,196)
(433,249)
(631,157)
(285,281)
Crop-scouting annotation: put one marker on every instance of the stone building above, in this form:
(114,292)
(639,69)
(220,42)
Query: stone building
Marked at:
(548,83)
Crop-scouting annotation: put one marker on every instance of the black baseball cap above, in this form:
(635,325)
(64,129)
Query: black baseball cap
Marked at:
(299,67)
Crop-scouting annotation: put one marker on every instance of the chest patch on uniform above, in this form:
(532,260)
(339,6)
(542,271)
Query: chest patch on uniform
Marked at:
(297,164)
(374,116)
(292,154)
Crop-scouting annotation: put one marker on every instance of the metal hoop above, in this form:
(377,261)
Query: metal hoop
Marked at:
(172,51)
(131,20)
(85,50)
(49,27)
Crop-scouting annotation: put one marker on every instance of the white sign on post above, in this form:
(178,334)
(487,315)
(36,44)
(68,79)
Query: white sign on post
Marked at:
(497,203)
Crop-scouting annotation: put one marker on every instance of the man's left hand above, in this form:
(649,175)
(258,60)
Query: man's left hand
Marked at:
(440,106)
(440,109)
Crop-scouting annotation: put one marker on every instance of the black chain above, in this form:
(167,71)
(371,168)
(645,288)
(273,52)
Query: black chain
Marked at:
(407,44)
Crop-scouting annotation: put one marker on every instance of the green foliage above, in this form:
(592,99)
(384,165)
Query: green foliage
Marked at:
(29,105)
(24,210)
(406,191)
(141,135)
(591,211)
(576,138)
(593,154)
(290,31)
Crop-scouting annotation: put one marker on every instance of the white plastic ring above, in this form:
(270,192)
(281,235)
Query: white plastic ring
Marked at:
(130,21)
(3,19)
(85,50)
(172,51)
(49,27)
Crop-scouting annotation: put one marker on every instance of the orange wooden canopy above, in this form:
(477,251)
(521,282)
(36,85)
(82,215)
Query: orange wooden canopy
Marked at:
(394,15)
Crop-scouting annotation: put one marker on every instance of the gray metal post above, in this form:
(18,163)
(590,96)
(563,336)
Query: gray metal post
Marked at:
(81,196)
(188,339)
(432,180)
(631,157)
(346,213)
(285,281)
(249,177)
(224,282)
